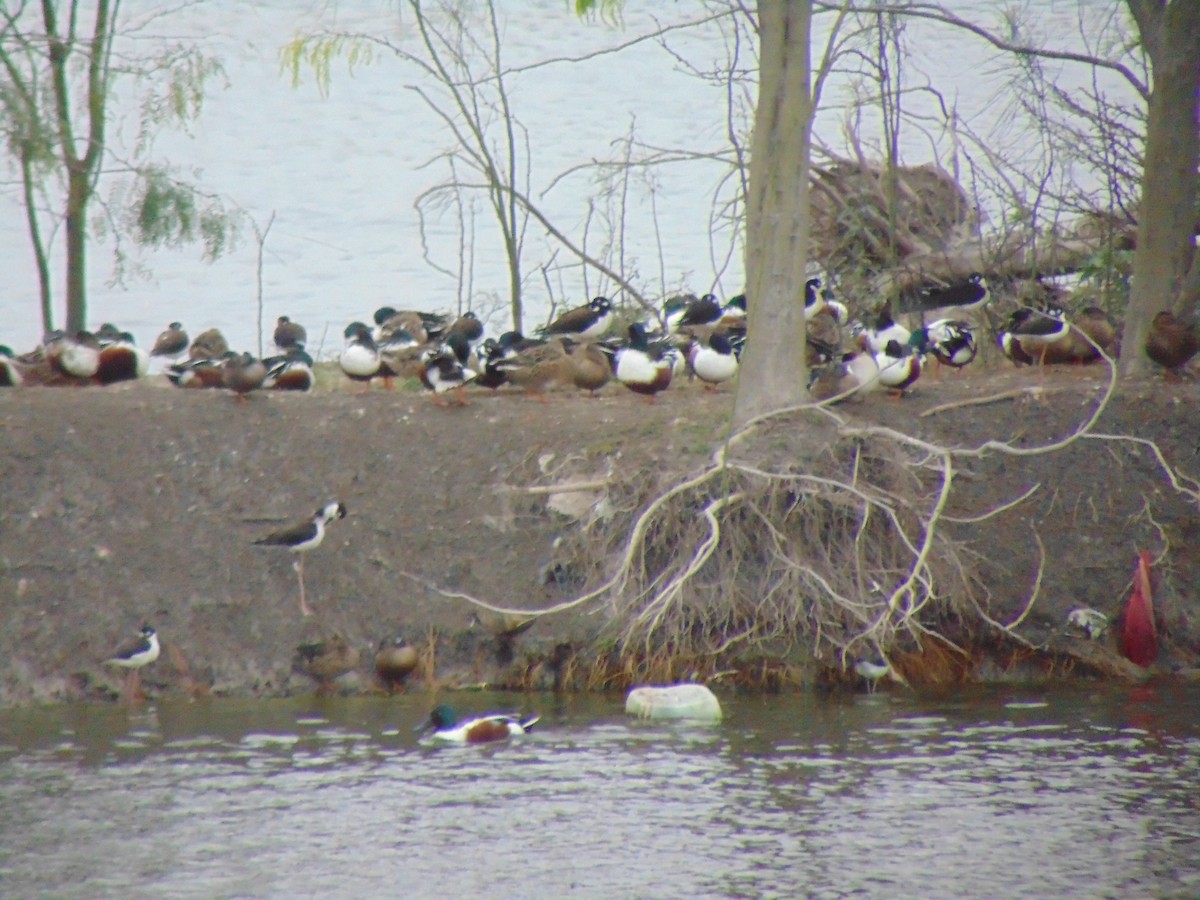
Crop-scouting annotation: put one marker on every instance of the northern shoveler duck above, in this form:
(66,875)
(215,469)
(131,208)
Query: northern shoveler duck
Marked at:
(1092,333)
(10,372)
(467,325)
(77,357)
(293,371)
(696,312)
(899,367)
(969,295)
(199,373)
(536,366)
(733,313)
(644,366)
(819,300)
(324,661)
(121,359)
(243,374)
(885,328)
(1041,336)
(359,358)
(395,660)
(495,727)
(135,653)
(583,322)
(388,320)
(302,537)
(1172,342)
(289,334)
(444,369)
(950,341)
(589,367)
(714,362)
(171,343)
(208,345)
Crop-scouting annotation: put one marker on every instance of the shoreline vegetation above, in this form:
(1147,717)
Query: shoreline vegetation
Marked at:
(139,504)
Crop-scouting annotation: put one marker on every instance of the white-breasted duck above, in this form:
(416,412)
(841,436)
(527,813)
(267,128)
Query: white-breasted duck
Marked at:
(644,366)
(494,727)
(714,361)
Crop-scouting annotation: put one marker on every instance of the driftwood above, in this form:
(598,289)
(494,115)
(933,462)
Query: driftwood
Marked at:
(933,238)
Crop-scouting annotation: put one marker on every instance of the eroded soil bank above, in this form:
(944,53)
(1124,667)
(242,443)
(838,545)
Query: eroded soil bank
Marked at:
(140,503)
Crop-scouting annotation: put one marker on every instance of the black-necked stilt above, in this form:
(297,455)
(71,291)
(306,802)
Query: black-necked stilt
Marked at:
(133,655)
(302,537)
(871,672)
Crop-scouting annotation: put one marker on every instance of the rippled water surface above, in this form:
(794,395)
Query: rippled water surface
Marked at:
(1085,792)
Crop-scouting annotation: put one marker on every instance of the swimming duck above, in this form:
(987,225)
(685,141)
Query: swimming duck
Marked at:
(583,322)
(243,374)
(444,369)
(495,727)
(10,371)
(302,537)
(293,371)
(643,366)
(359,359)
(171,343)
(324,661)
(289,334)
(1172,342)
(208,345)
(395,660)
(132,655)
(121,359)
(714,362)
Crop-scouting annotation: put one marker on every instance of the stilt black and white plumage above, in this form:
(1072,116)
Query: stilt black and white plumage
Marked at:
(302,537)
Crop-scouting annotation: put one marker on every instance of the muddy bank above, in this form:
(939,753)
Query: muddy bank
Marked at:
(141,503)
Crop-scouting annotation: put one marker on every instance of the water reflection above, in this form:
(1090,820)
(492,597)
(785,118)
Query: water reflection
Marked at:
(1001,792)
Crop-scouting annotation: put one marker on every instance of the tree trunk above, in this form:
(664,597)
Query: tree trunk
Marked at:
(1166,251)
(774,374)
(75,221)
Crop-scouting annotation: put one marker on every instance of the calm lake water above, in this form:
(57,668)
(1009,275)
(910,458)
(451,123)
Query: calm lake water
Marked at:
(340,173)
(1086,791)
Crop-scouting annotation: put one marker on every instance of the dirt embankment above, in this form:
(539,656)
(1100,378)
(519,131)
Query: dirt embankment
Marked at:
(141,503)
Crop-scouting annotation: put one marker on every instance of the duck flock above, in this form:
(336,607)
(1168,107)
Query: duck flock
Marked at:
(700,338)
